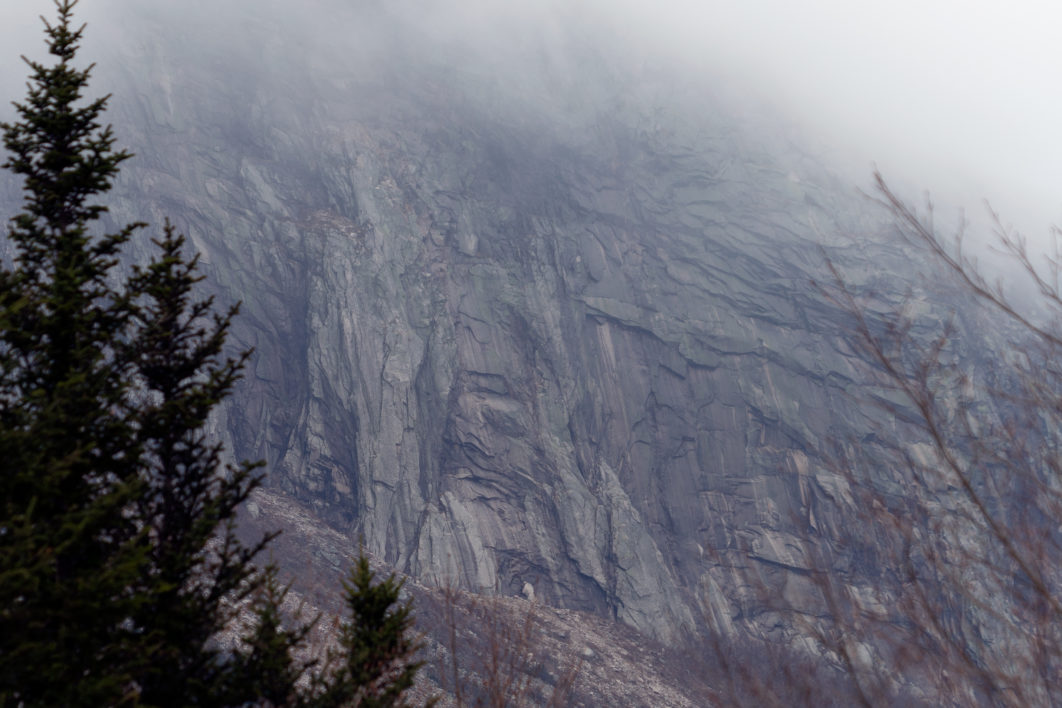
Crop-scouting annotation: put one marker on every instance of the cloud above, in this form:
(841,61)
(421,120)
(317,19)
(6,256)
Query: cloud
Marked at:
(959,98)
(956,97)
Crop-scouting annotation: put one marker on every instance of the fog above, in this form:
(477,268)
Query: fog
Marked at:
(958,98)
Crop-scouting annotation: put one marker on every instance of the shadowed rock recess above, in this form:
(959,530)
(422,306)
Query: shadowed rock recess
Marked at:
(529,317)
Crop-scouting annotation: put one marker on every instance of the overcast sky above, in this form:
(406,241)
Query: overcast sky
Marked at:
(960,97)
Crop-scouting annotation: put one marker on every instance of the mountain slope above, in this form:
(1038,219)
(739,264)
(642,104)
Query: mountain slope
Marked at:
(530,315)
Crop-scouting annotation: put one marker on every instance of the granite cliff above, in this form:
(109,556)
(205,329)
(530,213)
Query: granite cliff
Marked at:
(537,319)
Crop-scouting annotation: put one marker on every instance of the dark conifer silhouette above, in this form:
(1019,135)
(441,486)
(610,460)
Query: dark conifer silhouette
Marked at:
(119,561)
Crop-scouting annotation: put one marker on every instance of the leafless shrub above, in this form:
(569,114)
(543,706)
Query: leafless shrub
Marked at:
(960,488)
(495,658)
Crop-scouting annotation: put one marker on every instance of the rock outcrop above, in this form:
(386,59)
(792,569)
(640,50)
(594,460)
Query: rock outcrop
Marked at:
(552,324)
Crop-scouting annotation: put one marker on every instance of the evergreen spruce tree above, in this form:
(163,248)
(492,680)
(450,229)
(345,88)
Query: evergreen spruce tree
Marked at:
(119,561)
(377,664)
(264,670)
(68,432)
(118,557)
(198,572)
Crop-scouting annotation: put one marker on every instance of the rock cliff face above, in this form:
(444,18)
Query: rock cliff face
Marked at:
(547,328)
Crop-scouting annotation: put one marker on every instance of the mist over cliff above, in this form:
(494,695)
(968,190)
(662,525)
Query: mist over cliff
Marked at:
(532,310)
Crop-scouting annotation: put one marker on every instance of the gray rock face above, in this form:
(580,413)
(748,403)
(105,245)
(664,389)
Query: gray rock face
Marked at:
(564,337)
